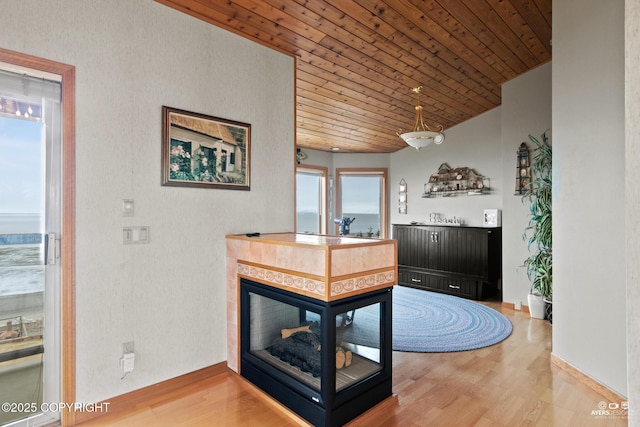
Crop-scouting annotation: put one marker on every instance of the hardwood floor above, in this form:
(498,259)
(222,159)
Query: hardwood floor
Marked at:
(509,384)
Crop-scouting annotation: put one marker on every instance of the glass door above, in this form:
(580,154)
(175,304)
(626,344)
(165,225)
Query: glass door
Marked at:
(29,229)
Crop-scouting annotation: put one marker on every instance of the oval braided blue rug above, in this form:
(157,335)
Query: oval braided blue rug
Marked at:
(429,322)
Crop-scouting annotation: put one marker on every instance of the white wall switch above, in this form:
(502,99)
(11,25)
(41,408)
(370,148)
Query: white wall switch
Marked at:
(127,207)
(128,362)
(127,235)
(143,235)
(136,235)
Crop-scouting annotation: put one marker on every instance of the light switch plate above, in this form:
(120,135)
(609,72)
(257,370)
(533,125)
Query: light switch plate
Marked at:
(136,235)
(128,362)
(127,235)
(143,234)
(127,207)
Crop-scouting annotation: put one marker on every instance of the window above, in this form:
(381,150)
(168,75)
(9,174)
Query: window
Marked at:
(311,196)
(361,194)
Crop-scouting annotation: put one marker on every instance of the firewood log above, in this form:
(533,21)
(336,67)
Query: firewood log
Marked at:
(348,358)
(298,354)
(286,333)
(340,358)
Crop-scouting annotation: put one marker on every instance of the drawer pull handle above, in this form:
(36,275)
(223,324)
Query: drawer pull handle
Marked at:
(416,280)
(454,286)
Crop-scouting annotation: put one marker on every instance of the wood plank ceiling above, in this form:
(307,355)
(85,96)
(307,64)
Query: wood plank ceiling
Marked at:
(357,60)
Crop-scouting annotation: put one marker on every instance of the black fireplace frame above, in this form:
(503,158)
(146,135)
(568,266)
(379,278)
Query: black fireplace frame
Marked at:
(326,407)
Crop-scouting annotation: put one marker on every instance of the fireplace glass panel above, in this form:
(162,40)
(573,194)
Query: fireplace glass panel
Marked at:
(328,361)
(358,342)
(288,338)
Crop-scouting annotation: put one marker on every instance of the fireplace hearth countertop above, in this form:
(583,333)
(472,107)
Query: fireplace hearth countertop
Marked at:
(323,267)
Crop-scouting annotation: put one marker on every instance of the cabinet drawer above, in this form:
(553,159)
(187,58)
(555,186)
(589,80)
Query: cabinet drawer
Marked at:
(465,288)
(417,279)
(461,287)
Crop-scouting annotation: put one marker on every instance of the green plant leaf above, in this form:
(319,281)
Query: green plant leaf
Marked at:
(538,233)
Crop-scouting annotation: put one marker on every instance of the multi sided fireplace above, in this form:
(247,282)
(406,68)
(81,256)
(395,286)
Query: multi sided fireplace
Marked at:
(309,320)
(327,361)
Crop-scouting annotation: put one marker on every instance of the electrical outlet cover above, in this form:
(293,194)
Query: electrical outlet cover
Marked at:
(128,362)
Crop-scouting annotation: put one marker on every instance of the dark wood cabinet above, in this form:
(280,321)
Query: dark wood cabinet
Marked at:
(462,261)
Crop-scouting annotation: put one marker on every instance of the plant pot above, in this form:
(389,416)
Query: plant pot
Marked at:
(536,306)
(548,309)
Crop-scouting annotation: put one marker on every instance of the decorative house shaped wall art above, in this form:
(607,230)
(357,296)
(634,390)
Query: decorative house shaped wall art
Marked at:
(449,182)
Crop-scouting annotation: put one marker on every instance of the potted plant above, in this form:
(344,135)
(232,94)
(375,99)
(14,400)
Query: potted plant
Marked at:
(370,232)
(538,233)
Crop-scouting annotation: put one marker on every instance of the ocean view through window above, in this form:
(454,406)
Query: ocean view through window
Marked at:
(21,198)
(22,270)
(311,200)
(362,195)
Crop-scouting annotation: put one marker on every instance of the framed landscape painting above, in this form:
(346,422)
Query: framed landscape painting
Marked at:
(204,151)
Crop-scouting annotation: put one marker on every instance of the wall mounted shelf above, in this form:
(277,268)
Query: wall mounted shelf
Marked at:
(451,182)
(523,170)
(402,196)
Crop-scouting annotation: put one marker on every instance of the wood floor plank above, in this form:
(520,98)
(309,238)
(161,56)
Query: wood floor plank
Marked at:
(512,383)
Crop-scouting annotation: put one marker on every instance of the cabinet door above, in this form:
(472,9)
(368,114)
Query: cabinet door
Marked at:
(466,252)
(412,246)
(436,247)
(443,249)
(418,246)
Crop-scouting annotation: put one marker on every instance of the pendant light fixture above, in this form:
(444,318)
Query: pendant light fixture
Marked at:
(421,135)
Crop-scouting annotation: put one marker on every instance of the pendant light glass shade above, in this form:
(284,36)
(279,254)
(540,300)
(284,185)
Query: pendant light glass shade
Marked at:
(421,135)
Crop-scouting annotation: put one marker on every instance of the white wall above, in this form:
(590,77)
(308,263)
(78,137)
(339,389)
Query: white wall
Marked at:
(632,193)
(354,160)
(526,110)
(589,297)
(318,158)
(168,296)
(475,143)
